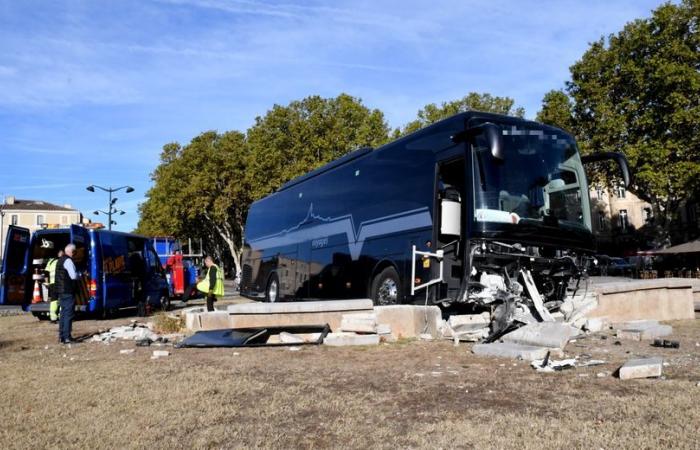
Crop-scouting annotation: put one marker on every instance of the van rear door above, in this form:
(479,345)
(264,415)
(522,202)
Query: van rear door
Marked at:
(81,238)
(13,278)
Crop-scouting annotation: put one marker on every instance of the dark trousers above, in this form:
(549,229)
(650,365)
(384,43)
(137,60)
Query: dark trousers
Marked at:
(65,320)
(211,298)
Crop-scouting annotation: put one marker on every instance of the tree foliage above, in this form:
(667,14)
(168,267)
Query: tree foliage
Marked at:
(638,92)
(199,191)
(204,189)
(557,110)
(432,113)
(292,140)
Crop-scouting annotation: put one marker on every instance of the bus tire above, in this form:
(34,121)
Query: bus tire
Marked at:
(386,287)
(272,291)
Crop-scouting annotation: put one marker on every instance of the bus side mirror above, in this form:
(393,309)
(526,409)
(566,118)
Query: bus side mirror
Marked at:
(619,158)
(492,133)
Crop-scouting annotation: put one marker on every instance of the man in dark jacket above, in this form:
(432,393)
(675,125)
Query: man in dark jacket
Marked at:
(66,287)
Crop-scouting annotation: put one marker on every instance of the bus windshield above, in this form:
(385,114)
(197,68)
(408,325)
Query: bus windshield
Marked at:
(540,180)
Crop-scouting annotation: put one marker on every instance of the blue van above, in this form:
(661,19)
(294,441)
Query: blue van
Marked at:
(118,270)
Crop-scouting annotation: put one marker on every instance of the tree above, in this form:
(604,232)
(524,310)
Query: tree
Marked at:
(432,113)
(557,110)
(292,140)
(638,92)
(199,191)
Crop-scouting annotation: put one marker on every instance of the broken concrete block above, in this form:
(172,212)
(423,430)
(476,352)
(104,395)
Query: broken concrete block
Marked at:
(510,350)
(409,321)
(289,338)
(469,335)
(595,325)
(383,328)
(359,323)
(349,339)
(642,330)
(543,334)
(469,321)
(632,335)
(558,316)
(160,353)
(127,351)
(256,314)
(641,368)
(214,320)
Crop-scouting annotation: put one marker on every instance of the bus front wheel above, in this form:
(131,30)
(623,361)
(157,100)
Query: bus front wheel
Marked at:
(386,287)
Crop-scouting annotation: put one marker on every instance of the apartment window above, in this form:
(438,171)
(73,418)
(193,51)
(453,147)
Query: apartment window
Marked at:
(599,192)
(39,219)
(646,214)
(624,221)
(601,220)
(620,191)
(15,219)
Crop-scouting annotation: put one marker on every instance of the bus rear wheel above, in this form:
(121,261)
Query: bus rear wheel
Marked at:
(272,293)
(386,287)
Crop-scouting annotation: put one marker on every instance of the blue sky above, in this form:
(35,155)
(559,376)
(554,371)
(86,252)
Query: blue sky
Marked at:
(91,90)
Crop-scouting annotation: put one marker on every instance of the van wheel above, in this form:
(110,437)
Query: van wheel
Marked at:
(386,288)
(272,293)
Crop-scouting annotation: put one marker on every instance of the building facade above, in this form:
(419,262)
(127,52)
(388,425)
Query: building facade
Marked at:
(34,215)
(618,217)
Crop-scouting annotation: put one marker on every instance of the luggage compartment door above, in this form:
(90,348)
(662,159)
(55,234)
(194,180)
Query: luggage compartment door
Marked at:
(13,284)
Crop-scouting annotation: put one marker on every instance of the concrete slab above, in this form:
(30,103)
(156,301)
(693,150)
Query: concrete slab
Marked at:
(410,321)
(469,321)
(660,299)
(510,350)
(214,320)
(642,330)
(641,368)
(359,323)
(543,334)
(250,315)
(350,339)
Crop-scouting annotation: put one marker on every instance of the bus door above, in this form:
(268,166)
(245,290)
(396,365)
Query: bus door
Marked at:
(80,237)
(14,285)
(451,221)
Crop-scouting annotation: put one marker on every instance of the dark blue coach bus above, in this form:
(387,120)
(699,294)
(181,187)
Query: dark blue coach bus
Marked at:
(435,215)
(117,270)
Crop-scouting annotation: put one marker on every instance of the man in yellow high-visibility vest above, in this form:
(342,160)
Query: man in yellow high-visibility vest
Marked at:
(51,269)
(212,284)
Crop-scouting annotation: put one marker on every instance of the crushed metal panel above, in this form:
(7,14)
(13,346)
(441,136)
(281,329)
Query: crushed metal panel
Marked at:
(252,337)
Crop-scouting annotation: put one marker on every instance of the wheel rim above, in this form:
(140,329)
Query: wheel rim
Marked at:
(388,292)
(272,291)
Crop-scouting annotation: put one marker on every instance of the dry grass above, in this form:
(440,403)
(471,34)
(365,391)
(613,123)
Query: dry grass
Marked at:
(414,395)
(165,323)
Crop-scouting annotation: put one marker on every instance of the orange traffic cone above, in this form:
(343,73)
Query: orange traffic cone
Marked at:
(37,293)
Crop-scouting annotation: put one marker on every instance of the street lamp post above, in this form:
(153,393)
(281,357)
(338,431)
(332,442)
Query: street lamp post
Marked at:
(2,229)
(111,208)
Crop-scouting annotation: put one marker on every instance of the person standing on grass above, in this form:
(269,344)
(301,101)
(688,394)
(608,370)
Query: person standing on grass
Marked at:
(66,287)
(212,285)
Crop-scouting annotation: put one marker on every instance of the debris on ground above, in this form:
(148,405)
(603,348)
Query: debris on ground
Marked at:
(550,365)
(641,368)
(510,350)
(343,339)
(127,351)
(642,330)
(257,337)
(664,343)
(160,354)
(134,332)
